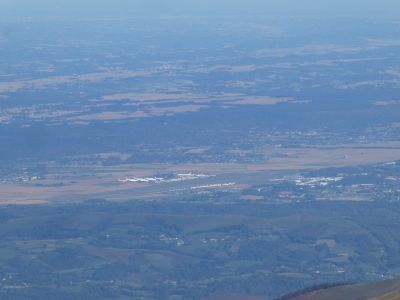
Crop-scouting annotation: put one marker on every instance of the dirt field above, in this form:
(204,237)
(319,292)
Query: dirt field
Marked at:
(85,182)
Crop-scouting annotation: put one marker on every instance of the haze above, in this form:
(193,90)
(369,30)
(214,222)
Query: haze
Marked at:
(104,8)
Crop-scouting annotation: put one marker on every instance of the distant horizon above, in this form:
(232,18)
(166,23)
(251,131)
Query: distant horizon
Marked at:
(159,8)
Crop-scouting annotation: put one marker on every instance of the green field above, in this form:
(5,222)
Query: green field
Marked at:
(191,250)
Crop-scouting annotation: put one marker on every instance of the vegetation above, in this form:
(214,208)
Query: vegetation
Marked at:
(190,250)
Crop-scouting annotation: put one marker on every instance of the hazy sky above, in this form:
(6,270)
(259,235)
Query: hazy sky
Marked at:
(126,8)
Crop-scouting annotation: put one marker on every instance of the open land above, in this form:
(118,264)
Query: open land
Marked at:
(93,181)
